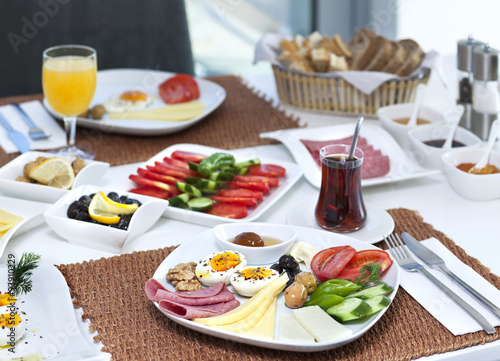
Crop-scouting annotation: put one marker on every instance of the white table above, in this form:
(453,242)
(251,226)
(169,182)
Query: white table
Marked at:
(475,226)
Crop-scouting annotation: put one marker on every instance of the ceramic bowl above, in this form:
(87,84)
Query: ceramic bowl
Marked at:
(429,156)
(476,187)
(225,233)
(90,174)
(97,235)
(399,111)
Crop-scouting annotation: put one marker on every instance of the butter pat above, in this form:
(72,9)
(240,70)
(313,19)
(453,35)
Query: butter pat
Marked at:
(292,331)
(320,325)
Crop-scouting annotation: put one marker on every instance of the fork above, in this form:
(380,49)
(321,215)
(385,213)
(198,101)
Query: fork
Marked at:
(400,253)
(35,132)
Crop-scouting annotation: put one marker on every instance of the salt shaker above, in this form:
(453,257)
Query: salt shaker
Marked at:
(465,49)
(485,96)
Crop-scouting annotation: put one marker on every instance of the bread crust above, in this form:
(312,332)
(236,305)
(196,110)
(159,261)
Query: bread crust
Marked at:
(382,56)
(398,57)
(363,45)
(414,57)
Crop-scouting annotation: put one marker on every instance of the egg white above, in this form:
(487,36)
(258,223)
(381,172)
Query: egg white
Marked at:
(249,287)
(5,332)
(209,276)
(115,104)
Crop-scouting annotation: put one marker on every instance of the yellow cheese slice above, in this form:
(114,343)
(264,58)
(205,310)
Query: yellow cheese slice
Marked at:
(7,221)
(176,112)
(264,328)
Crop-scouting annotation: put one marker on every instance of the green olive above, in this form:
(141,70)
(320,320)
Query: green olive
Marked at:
(308,280)
(295,295)
(97,112)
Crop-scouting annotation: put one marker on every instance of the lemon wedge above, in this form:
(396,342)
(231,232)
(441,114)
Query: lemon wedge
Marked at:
(105,210)
(54,172)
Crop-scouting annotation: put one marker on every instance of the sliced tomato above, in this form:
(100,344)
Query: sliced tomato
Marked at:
(273,182)
(158,176)
(179,89)
(182,164)
(255,186)
(251,202)
(328,263)
(151,192)
(229,210)
(240,192)
(362,258)
(188,156)
(142,181)
(267,170)
(187,172)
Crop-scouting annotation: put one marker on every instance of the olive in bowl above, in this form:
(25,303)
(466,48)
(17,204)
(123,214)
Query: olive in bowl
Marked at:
(261,243)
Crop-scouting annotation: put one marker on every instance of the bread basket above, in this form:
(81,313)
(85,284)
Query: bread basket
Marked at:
(330,93)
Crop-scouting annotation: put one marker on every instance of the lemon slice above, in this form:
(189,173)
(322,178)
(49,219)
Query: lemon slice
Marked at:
(55,172)
(104,210)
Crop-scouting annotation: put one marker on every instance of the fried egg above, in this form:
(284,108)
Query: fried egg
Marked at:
(219,266)
(131,100)
(251,280)
(11,323)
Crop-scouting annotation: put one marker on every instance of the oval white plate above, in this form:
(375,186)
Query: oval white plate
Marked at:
(378,224)
(116,81)
(206,243)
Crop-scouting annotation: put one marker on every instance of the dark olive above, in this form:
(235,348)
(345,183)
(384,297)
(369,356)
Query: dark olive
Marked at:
(84,201)
(73,210)
(249,239)
(124,199)
(83,216)
(288,262)
(277,267)
(114,196)
(134,201)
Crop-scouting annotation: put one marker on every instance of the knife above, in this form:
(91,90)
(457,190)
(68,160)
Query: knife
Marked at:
(434,261)
(18,138)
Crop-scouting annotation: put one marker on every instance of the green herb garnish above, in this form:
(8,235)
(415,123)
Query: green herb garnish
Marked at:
(21,279)
(370,273)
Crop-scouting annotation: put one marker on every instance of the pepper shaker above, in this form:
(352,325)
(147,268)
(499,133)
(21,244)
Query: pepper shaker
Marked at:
(485,95)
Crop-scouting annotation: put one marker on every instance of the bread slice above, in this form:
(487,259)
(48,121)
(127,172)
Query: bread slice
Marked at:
(414,57)
(337,63)
(320,59)
(382,56)
(363,45)
(330,45)
(288,45)
(302,65)
(312,41)
(398,57)
(344,48)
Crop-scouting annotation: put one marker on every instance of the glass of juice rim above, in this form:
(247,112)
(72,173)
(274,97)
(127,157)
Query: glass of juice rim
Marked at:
(336,155)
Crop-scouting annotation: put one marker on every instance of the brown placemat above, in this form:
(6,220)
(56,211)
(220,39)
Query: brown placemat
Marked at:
(236,123)
(111,292)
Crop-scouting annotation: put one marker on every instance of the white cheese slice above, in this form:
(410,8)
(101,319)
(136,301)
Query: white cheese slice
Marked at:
(320,325)
(291,331)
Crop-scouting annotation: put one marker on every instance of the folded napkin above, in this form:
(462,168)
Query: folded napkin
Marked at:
(443,308)
(41,118)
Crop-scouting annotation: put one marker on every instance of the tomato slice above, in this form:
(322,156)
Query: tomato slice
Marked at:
(255,186)
(267,170)
(188,156)
(158,177)
(240,192)
(179,89)
(151,192)
(273,182)
(228,210)
(142,181)
(251,202)
(176,162)
(328,263)
(352,270)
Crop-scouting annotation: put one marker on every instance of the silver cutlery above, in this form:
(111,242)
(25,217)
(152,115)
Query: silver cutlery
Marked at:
(434,261)
(18,138)
(406,261)
(35,132)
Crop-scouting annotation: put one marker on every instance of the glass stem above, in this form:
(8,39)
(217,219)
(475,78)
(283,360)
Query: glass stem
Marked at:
(70,128)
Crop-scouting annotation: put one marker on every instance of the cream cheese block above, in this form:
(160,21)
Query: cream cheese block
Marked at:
(320,325)
(291,331)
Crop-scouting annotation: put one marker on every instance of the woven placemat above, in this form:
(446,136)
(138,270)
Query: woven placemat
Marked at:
(236,123)
(111,292)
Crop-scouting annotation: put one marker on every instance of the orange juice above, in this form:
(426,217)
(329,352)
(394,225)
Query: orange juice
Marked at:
(69,83)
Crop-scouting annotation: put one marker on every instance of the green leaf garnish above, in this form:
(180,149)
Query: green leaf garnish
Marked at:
(21,279)
(370,273)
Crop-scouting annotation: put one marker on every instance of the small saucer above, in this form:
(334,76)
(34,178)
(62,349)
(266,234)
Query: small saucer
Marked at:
(378,224)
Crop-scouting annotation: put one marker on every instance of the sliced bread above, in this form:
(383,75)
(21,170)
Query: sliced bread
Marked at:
(382,56)
(398,57)
(414,57)
(363,45)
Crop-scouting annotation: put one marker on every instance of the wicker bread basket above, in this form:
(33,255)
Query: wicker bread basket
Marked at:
(329,93)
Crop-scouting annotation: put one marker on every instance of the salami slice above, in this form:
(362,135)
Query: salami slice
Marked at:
(152,286)
(190,312)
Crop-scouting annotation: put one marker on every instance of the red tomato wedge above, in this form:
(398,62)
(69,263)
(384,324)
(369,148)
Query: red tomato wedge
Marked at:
(273,182)
(158,176)
(328,263)
(151,192)
(182,164)
(179,89)
(228,210)
(188,156)
(361,258)
(240,192)
(251,202)
(255,186)
(172,190)
(267,170)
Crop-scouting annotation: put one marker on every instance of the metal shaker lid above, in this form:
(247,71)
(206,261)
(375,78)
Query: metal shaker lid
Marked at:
(464,53)
(485,63)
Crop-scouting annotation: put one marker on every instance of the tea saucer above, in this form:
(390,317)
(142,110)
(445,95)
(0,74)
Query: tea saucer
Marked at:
(378,224)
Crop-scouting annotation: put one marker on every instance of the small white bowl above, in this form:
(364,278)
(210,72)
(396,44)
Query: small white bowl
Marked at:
(90,174)
(400,131)
(429,156)
(97,235)
(476,187)
(225,233)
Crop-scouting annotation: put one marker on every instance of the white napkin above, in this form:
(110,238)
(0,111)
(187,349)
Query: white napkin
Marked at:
(41,118)
(267,49)
(443,308)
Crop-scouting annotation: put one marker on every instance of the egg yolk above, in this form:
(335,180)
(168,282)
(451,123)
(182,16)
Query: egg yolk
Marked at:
(6,299)
(7,321)
(225,261)
(133,96)
(258,273)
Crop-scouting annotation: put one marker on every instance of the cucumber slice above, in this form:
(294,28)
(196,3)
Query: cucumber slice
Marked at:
(349,309)
(200,204)
(370,292)
(188,188)
(202,184)
(378,303)
(193,166)
(221,176)
(325,301)
(247,163)
(179,201)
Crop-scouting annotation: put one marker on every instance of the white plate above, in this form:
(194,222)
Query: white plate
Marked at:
(293,173)
(378,224)
(90,174)
(51,325)
(205,243)
(116,81)
(31,213)
(402,167)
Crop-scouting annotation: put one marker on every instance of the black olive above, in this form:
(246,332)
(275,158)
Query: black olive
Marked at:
(73,210)
(134,201)
(83,216)
(114,196)
(123,224)
(288,262)
(84,201)
(124,199)
(277,267)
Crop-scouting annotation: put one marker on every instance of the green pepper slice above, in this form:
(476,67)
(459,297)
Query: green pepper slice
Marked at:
(214,162)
